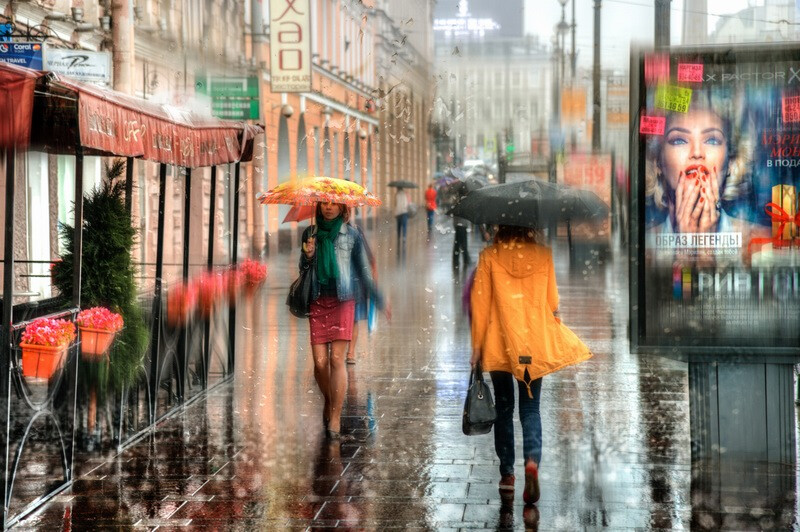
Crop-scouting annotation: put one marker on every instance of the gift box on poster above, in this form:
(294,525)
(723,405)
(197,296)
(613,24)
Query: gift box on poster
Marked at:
(784,219)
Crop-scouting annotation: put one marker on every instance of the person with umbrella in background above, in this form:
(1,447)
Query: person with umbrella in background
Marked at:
(402,208)
(516,334)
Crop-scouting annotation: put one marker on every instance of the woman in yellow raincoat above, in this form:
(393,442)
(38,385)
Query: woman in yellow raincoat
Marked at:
(516,334)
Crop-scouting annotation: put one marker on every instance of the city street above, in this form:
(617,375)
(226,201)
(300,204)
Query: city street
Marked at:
(252,454)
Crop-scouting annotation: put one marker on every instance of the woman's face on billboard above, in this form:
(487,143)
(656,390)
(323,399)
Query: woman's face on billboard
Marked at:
(694,144)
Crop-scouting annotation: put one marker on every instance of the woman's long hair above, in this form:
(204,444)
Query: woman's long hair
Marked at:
(514,233)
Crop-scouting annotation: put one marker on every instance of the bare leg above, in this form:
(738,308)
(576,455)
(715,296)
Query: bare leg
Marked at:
(322,376)
(338,383)
(351,350)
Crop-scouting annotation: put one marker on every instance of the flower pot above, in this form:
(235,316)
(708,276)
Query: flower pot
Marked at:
(41,361)
(95,342)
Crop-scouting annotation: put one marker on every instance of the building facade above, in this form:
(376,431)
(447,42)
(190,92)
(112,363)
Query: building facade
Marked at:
(365,118)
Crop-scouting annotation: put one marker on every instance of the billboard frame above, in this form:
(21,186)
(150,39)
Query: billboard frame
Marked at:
(639,344)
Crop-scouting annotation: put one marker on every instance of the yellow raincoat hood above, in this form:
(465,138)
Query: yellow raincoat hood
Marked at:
(513,299)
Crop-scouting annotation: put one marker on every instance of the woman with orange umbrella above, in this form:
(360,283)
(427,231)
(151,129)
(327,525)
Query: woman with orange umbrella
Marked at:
(335,249)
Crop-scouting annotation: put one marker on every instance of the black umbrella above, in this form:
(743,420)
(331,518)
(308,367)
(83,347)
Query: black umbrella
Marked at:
(462,187)
(530,203)
(402,184)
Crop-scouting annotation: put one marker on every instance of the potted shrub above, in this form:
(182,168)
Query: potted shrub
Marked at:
(108,276)
(98,326)
(44,343)
(255,273)
(181,301)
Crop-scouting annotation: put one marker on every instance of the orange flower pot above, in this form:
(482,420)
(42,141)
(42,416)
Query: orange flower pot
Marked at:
(41,361)
(95,342)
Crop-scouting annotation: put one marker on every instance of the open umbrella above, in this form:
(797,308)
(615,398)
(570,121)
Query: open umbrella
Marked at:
(402,184)
(530,203)
(313,190)
(298,213)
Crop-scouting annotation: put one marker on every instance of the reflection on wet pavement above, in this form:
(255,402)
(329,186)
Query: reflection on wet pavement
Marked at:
(252,454)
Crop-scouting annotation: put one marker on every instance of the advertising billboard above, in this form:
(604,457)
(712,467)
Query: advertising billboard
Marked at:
(590,171)
(715,232)
(290,45)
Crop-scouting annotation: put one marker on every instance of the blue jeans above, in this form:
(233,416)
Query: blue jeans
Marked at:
(504,424)
(402,226)
(430,220)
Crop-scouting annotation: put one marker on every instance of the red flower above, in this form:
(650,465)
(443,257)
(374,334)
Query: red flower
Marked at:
(49,332)
(254,272)
(100,318)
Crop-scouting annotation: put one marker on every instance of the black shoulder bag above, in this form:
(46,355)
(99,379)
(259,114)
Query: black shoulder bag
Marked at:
(302,289)
(479,412)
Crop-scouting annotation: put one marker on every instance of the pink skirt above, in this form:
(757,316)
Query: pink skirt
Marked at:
(331,320)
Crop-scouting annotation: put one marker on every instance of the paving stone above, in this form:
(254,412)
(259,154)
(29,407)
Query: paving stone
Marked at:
(251,455)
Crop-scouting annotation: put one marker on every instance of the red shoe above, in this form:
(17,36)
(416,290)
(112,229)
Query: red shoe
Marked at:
(506,483)
(531,493)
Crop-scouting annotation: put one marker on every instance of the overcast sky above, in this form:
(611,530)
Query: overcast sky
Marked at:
(623,22)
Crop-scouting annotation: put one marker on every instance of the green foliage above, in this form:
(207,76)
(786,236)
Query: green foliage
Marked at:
(108,272)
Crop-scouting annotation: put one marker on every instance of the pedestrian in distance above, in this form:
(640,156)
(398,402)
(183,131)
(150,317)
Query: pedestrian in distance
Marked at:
(460,244)
(341,262)
(430,205)
(516,335)
(401,204)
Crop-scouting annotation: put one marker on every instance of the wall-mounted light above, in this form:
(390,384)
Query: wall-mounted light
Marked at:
(77,14)
(286,110)
(362,134)
(105,23)
(327,112)
(138,12)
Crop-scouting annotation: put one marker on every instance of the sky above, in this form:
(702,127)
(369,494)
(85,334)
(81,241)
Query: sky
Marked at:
(623,22)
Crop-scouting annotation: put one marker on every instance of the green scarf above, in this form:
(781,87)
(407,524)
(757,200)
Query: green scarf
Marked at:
(327,269)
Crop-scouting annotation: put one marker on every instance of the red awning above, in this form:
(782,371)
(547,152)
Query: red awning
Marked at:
(16,104)
(67,114)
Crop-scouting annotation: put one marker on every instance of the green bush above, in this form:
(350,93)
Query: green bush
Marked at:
(107,275)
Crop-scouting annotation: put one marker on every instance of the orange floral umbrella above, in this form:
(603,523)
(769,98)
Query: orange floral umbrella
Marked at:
(313,190)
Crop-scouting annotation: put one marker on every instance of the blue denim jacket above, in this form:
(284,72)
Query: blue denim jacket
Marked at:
(354,270)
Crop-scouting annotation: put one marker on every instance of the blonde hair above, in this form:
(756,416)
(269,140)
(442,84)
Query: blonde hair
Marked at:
(739,144)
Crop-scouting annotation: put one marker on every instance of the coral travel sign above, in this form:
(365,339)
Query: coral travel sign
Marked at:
(24,54)
(290,45)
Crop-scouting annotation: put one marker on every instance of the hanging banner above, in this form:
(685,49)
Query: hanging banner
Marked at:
(717,156)
(290,45)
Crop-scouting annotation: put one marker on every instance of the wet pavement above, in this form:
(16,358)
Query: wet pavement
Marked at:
(251,455)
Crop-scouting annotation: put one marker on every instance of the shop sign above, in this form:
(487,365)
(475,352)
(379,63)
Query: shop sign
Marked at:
(82,65)
(231,98)
(573,105)
(717,203)
(24,54)
(290,45)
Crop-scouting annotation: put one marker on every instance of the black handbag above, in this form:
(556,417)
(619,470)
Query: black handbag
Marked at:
(479,412)
(301,290)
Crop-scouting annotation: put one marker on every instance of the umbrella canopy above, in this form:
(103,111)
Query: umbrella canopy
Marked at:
(529,204)
(313,190)
(463,187)
(298,213)
(402,184)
